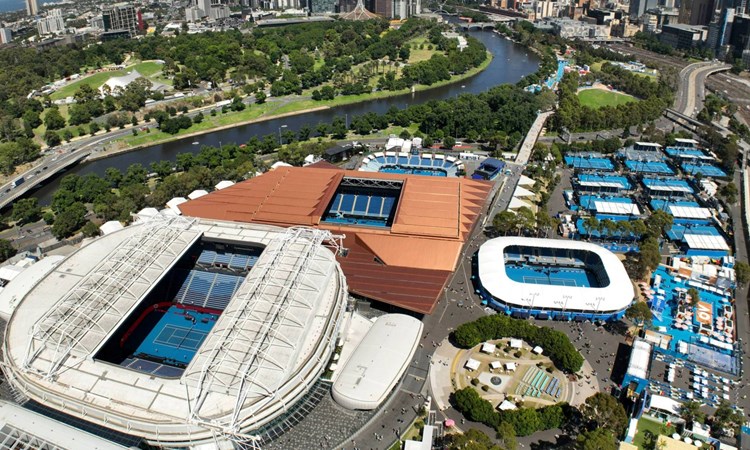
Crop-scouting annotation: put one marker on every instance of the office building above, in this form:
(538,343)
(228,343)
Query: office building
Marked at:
(681,36)
(53,23)
(639,7)
(193,14)
(719,30)
(120,16)
(739,37)
(218,12)
(5,35)
(696,12)
(32,8)
(322,6)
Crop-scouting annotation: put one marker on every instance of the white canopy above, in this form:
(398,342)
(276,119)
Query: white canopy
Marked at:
(705,242)
(538,350)
(639,359)
(516,203)
(522,192)
(224,184)
(516,343)
(689,212)
(198,193)
(617,208)
(111,227)
(495,364)
(472,364)
(506,406)
(526,181)
(175,203)
(488,347)
(510,366)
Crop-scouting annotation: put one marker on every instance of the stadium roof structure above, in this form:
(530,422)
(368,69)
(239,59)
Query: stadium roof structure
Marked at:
(705,242)
(605,207)
(615,296)
(265,351)
(406,265)
(690,212)
(378,362)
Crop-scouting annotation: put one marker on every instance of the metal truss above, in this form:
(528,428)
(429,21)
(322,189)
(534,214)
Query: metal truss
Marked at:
(253,353)
(371,183)
(105,294)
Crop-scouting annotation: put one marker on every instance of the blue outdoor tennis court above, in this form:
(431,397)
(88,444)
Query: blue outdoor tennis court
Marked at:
(589,163)
(707,170)
(177,335)
(657,167)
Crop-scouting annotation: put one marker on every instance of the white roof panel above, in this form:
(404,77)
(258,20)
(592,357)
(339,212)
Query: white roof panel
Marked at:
(706,242)
(639,359)
(689,212)
(617,208)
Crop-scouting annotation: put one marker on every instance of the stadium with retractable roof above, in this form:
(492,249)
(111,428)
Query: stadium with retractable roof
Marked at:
(181,331)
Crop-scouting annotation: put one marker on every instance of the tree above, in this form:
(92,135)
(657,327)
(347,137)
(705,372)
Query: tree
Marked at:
(725,417)
(53,120)
(31,118)
(650,255)
(67,135)
(90,229)
(742,270)
(598,439)
(690,412)
(198,118)
(26,210)
(93,128)
(51,138)
(729,192)
(6,250)
(449,142)
(657,222)
(640,313)
(694,295)
(260,97)
(507,436)
(69,221)
(604,411)
(472,439)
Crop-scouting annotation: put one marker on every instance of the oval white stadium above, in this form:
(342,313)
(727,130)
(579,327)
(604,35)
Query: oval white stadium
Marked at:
(553,278)
(248,333)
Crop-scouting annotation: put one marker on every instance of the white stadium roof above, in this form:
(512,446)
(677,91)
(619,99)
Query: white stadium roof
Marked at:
(267,348)
(378,363)
(614,297)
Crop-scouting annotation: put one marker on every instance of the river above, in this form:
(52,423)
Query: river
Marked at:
(510,63)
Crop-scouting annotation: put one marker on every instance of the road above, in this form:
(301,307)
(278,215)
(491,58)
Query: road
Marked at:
(692,90)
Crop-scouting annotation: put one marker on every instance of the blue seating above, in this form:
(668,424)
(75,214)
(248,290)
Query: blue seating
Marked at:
(208,290)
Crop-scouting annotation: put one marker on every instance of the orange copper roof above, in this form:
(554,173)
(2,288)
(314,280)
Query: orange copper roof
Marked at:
(432,220)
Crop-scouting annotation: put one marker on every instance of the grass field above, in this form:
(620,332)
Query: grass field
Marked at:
(147,69)
(596,98)
(646,424)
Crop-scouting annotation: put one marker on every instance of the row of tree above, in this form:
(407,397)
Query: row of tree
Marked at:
(556,344)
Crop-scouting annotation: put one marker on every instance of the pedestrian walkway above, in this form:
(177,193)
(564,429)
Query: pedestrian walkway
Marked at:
(531,137)
(440,373)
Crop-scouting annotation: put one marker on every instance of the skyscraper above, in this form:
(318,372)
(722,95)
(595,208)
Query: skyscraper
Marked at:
(639,7)
(120,17)
(32,8)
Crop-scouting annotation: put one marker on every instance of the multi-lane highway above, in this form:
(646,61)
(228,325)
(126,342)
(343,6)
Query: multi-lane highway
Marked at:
(692,88)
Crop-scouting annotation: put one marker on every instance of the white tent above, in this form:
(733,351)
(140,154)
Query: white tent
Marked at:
(526,181)
(224,184)
(506,406)
(110,227)
(278,164)
(146,213)
(510,367)
(516,203)
(522,192)
(495,364)
(472,364)
(538,350)
(488,348)
(198,193)
(174,204)
(516,343)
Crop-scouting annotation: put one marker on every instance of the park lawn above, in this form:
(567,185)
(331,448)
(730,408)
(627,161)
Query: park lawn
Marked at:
(647,424)
(596,98)
(416,54)
(146,69)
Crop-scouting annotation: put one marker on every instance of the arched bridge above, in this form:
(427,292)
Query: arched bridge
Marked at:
(477,26)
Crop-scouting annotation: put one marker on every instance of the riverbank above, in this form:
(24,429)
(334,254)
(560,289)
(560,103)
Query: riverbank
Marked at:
(267,112)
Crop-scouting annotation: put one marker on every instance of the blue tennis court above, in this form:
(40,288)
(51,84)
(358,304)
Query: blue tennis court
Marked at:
(589,163)
(707,170)
(176,336)
(551,276)
(657,167)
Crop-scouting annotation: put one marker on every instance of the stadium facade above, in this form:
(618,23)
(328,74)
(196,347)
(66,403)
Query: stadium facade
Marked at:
(181,331)
(403,233)
(552,279)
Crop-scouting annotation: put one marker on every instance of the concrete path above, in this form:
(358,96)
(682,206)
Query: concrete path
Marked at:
(531,137)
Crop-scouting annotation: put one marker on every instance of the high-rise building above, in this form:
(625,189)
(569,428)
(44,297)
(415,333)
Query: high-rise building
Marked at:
(392,9)
(218,12)
(639,7)
(321,6)
(5,35)
(193,14)
(32,8)
(696,12)
(53,23)
(119,17)
(739,38)
(720,29)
